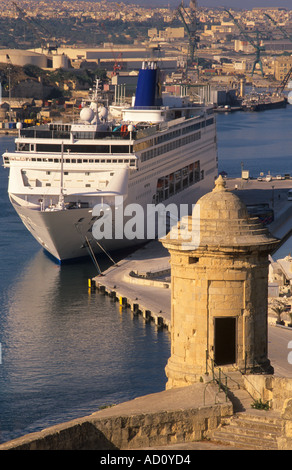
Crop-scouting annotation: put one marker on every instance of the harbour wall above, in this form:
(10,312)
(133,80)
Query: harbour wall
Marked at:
(132,304)
(181,415)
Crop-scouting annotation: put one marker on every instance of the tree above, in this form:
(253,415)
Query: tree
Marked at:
(279,307)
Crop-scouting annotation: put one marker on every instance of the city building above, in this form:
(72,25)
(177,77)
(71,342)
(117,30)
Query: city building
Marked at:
(282,66)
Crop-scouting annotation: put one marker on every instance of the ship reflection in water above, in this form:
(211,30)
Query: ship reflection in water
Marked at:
(67,351)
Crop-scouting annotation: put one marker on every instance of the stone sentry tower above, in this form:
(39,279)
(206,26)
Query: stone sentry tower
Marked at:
(219,290)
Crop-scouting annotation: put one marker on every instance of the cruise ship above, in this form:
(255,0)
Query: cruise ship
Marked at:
(163,152)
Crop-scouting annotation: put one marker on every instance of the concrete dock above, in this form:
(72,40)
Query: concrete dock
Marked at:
(274,193)
(141,281)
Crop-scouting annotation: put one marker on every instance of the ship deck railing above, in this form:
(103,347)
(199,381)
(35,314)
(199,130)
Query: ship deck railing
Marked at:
(36,133)
(61,133)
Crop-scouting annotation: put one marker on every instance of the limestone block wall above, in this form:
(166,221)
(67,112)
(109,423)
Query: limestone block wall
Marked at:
(278,392)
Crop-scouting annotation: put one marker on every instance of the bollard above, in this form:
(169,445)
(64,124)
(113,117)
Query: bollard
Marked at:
(123,301)
(91,284)
(135,308)
(146,314)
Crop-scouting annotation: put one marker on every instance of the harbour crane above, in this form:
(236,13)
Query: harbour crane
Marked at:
(44,35)
(287,36)
(118,59)
(190,26)
(255,43)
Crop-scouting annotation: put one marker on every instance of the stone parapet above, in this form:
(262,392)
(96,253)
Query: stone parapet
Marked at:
(277,391)
(176,416)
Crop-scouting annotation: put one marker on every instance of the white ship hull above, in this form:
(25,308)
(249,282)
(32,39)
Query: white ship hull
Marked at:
(59,174)
(65,234)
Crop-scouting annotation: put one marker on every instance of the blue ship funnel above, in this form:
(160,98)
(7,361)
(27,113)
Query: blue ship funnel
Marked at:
(148,87)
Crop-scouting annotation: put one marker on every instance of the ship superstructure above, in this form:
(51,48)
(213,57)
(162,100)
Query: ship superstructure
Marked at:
(163,150)
(261,101)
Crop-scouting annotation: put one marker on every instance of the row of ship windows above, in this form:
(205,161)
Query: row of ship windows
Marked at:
(172,135)
(171,184)
(27,147)
(131,161)
(112,149)
(152,153)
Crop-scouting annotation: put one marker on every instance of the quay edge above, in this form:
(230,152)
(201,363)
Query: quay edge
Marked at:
(125,302)
(118,284)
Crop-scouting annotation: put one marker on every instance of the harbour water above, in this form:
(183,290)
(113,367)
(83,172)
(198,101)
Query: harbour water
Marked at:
(261,141)
(66,351)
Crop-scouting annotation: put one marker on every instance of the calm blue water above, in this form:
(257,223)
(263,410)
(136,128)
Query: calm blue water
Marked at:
(261,141)
(66,352)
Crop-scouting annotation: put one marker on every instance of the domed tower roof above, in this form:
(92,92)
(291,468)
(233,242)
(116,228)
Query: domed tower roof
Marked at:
(220,219)
(222,204)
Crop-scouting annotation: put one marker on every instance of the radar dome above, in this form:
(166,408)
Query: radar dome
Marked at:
(103,113)
(93,106)
(19,125)
(86,114)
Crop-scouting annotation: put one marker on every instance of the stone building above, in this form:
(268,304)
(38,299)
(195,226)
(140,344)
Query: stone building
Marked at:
(219,290)
(282,66)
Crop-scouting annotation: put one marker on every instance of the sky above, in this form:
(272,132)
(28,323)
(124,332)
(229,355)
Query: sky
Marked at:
(246,4)
(237,4)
